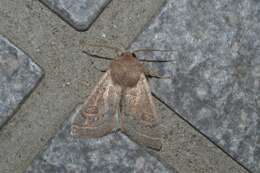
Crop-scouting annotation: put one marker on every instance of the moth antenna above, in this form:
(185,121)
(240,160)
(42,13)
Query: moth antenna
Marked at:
(152,74)
(161,77)
(155,60)
(97,56)
(153,50)
(117,50)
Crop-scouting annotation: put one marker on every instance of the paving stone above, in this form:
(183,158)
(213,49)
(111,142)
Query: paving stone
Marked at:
(112,153)
(18,76)
(78,13)
(215,70)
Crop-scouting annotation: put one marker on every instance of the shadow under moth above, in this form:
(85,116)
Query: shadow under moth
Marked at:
(121,100)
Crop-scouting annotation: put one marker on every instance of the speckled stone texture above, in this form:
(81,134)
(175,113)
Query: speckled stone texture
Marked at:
(215,70)
(78,13)
(18,76)
(113,153)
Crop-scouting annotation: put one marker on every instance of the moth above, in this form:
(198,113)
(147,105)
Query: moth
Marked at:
(121,100)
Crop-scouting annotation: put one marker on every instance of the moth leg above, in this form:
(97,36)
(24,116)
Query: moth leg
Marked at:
(154,74)
(101,70)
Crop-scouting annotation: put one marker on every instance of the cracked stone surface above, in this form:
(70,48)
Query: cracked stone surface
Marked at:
(215,70)
(112,153)
(18,76)
(78,13)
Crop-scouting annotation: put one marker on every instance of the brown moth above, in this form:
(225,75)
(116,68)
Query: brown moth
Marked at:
(121,100)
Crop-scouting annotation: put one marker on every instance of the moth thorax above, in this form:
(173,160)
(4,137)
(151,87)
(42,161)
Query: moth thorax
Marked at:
(126,71)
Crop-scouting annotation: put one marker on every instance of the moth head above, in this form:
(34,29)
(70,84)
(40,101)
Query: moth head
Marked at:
(128,55)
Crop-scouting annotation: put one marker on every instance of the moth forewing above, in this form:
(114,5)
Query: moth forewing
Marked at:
(140,115)
(97,115)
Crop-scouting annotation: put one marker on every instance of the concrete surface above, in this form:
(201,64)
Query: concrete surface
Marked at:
(70,76)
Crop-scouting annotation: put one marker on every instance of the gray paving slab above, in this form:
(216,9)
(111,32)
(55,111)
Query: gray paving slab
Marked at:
(78,13)
(215,70)
(112,153)
(18,76)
